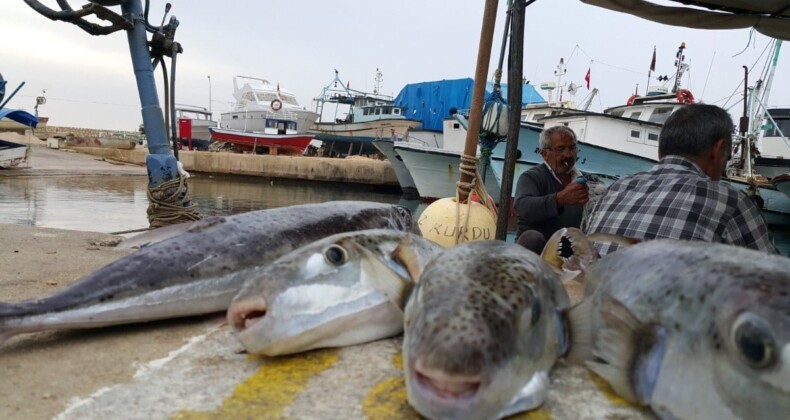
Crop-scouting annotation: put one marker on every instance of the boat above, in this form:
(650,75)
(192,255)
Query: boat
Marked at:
(432,156)
(369,117)
(264,116)
(624,139)
(280,138)
(13,154)
(435,170)
(387,148)
(193,125)
(773,158)
(782,183)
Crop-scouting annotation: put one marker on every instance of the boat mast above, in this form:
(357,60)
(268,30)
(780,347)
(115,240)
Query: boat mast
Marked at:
(679,66)
(559,73)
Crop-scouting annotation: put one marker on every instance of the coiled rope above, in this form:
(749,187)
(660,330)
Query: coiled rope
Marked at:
(169,204)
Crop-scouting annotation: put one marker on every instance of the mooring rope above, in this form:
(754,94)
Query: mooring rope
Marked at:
(469,167)
(164,209)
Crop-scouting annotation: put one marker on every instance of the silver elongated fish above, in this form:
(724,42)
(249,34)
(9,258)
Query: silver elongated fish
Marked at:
(346,289)
(694,330)
(196,272)
(482,331)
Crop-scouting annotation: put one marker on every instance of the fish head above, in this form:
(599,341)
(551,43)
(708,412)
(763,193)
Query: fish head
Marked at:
(345,289)
(752,336)
(479,324)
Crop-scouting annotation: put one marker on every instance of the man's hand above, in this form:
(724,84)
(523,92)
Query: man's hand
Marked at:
(573,193)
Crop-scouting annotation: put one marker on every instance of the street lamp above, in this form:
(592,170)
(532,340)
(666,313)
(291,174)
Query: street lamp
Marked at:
(209,94)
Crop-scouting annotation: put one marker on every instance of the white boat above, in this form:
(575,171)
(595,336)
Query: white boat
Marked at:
(624,139)
(774,156)
(387,148)
(435,170)
(782,183)
(12,154)
(258,102)
(193,126)
(358,118)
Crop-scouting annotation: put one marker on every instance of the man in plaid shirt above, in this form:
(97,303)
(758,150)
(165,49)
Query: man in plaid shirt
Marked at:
(681,196)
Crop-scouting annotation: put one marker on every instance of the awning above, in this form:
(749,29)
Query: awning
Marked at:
(769,17)
(22,117)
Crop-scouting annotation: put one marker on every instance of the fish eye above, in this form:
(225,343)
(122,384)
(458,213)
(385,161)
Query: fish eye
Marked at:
(335,255)
(753,341)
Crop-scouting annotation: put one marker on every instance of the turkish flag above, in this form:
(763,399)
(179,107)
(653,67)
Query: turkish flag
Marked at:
(587,78)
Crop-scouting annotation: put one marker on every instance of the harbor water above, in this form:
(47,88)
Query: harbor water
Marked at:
(113,204)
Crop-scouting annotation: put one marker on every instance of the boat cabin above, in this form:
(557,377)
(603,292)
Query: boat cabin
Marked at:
(279,126)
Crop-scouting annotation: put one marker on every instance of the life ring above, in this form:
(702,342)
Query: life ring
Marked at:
(685,96)
(276,104)
(631,100)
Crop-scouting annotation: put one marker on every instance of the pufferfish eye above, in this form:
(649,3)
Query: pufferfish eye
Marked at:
(753,341)
(335,255)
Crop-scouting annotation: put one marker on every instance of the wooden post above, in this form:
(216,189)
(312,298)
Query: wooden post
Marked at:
(481,75)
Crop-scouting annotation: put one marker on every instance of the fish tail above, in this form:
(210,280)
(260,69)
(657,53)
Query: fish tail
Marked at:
(579,327)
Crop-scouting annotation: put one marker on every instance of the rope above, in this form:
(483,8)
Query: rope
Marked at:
(164,209)
(469,167)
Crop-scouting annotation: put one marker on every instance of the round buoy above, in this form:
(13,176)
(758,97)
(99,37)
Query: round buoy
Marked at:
(437,223)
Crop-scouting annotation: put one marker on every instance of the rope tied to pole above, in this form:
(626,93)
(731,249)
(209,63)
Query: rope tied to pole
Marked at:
(169,204)
(469,167)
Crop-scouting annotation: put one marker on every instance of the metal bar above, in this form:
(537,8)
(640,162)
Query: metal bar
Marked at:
(514,93)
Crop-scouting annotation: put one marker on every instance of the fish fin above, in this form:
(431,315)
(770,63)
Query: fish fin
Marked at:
(618,348)
(578,324)
(530,397)
(569,249)
(606,237)
(405,255)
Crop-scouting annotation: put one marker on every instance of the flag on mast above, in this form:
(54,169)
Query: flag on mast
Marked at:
(587,78)
(653,61)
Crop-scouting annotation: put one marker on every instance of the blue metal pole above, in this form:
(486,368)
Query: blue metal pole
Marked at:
(162,165)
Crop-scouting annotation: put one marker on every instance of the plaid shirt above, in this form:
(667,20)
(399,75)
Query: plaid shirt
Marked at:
(676,200)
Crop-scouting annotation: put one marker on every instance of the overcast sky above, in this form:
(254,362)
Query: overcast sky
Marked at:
(298,43)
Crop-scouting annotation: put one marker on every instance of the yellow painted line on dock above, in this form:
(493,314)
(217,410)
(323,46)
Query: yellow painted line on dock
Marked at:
(388,399)
(268,392)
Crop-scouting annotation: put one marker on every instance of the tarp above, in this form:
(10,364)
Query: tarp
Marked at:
(22,117)
(769,17)
(430,102)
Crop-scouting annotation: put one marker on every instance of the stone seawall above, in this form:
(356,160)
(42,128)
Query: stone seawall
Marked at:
(355,170)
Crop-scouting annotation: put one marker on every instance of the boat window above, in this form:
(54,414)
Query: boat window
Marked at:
(660,115)
(378,111)
(617,113)
(636,134)
(249,96)
(386,111)
(635,115)
(266,97)
(396,111)
(289,99)
(366,111)
(537,117)
(772,130)
(652,136)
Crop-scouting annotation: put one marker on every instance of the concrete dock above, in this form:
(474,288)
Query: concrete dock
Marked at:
(194,368)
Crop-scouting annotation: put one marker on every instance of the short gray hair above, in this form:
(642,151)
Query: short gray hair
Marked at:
(545,135)
(693,130)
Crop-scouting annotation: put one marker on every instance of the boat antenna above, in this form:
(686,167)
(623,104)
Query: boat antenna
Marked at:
(379,79)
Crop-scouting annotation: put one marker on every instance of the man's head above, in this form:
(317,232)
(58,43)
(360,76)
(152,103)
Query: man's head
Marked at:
(701,133)
(558,148)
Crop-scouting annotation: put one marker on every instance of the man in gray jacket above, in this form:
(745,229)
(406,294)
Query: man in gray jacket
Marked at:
(548,197)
